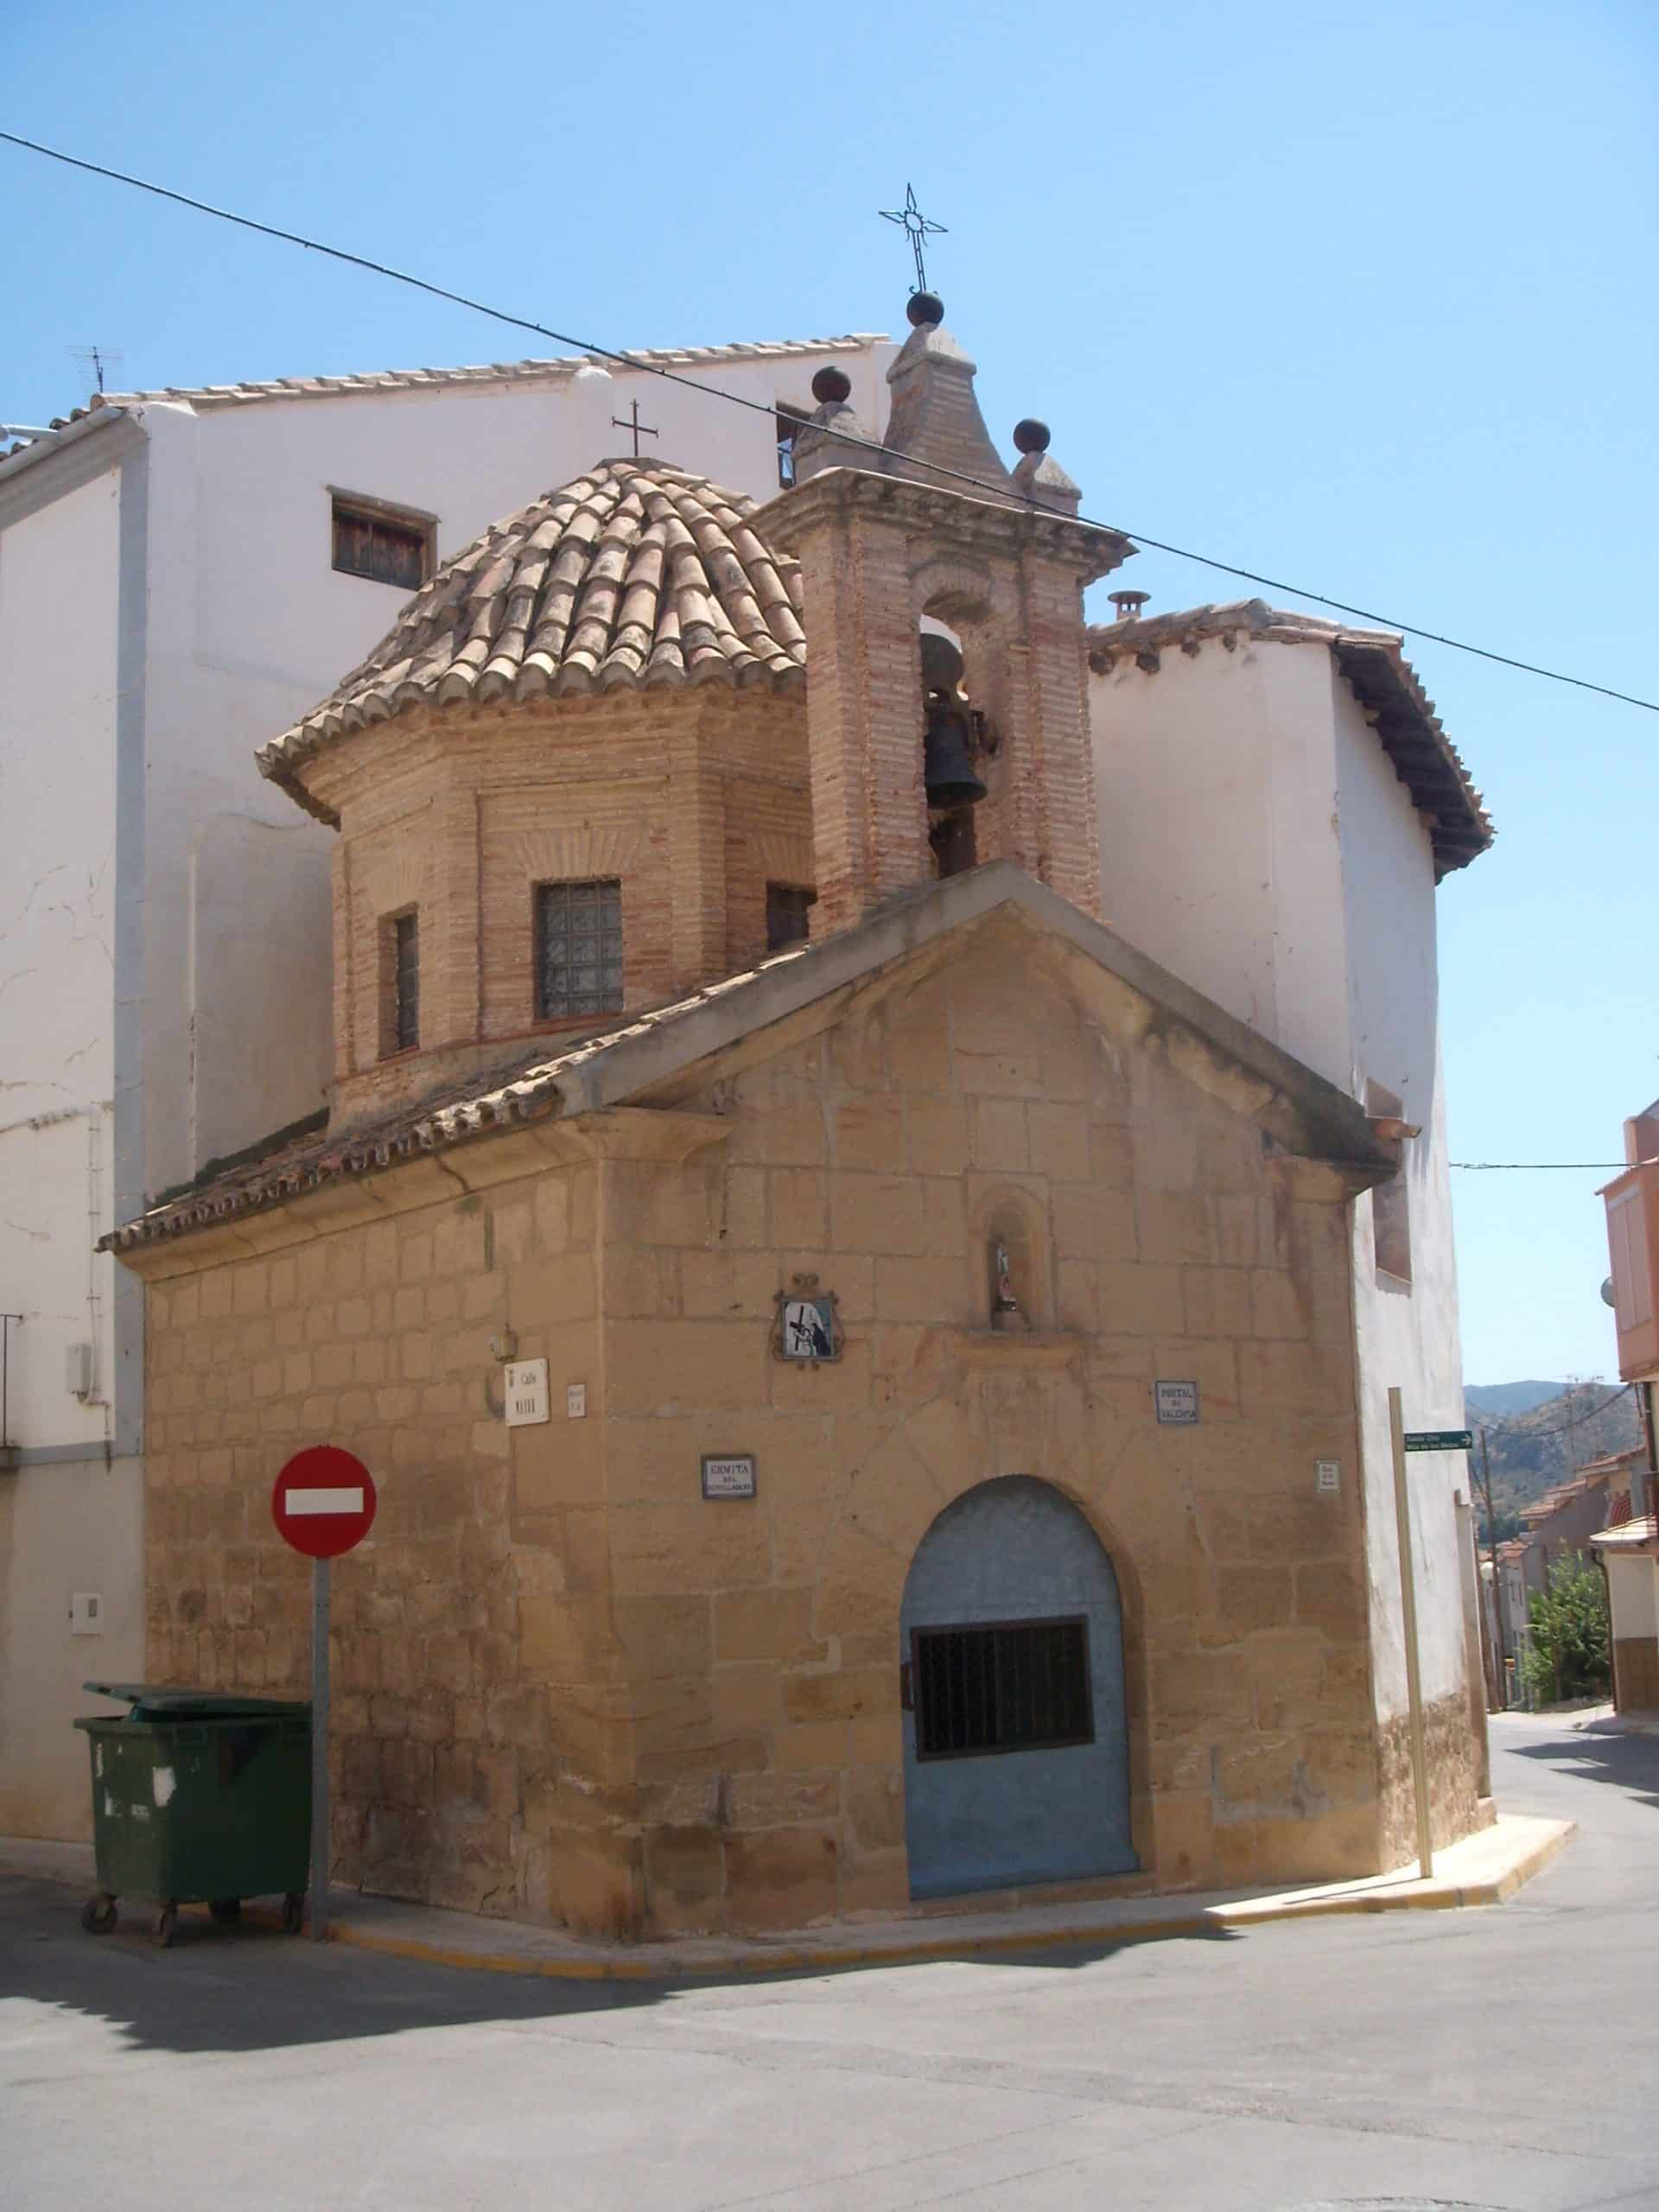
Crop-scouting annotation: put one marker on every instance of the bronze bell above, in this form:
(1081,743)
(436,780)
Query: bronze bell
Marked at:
(948,771)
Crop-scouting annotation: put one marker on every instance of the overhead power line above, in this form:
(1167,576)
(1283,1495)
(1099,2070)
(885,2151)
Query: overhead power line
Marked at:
(759,407)
(1545,1166)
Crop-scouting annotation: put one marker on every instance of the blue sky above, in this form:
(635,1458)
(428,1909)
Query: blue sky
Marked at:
(1357,296)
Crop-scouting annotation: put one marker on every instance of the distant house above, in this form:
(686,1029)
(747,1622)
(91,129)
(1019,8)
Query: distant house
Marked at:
(1568,1522)
(1630,1550)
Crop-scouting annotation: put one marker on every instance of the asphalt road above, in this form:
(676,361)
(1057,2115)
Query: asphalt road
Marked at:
(1506,2059)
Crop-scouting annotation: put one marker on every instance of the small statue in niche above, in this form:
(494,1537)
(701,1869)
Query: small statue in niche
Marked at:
(1007,1312)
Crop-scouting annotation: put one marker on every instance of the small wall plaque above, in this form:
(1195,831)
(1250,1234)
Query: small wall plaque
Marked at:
(1177,1404)
(729,1474)
(1328,1477)
(575,1401)
(808,1327)
(525,1382)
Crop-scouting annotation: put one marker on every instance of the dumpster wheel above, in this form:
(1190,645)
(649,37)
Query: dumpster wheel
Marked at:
(293,1913)
(163,1925)
(225,1911)
(98,1913)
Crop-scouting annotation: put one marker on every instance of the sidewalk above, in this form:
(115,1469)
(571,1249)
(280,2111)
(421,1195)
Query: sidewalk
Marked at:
(1486,1868)
(1604,1720)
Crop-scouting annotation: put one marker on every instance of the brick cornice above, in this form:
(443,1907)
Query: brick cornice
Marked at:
(836,494)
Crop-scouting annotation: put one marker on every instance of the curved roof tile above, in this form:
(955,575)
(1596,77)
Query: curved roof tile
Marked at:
(636,575)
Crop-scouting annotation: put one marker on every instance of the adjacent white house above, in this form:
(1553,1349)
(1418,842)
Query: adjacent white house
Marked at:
(1278,802)
(182,573)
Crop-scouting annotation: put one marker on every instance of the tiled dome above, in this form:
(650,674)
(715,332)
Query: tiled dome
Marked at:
(635,575)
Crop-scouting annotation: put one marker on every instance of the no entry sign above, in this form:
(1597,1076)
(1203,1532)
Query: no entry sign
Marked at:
(323,1502)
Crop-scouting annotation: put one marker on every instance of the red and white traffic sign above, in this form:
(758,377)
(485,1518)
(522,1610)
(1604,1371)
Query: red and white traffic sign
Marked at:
(323,1502)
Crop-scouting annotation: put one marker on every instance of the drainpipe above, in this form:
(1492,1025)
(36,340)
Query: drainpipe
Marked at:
(6,1320)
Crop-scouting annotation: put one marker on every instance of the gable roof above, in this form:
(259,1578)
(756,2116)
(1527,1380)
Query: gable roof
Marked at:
(637,1059)
(637,574)
(530,370)
(1382,680)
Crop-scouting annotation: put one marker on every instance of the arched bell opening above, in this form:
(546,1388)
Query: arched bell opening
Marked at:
(1016,1721)
(952,750)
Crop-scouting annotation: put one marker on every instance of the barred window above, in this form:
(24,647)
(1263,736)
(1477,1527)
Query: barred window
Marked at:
(788,908)
(400,954)
(578,948)
(1011,1686)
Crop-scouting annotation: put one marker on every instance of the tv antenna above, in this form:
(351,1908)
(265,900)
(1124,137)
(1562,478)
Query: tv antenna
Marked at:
(96,363)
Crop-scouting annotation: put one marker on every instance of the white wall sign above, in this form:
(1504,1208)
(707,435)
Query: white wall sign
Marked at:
(730,1476)
(526,1389)
(1328,1476)
(1177,1403)
(575,1401)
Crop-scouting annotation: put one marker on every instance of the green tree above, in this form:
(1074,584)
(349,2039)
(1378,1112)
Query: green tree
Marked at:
(1567,1654)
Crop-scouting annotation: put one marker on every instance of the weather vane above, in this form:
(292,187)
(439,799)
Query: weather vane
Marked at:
(916,227)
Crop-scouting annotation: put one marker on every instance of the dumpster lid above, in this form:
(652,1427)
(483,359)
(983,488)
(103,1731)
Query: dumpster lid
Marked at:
(173,1702)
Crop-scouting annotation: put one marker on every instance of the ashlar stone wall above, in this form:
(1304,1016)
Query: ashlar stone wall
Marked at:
(569,1688)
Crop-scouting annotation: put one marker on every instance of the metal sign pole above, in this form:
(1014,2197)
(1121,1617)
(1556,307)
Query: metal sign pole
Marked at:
(319,1750)
(1409,1612)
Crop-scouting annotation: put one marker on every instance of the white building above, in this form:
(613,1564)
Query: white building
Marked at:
(182,574)
(1278,801)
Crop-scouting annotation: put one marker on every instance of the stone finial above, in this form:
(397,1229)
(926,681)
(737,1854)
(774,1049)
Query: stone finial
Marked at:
(1037,478)
(935,429)
(827,441)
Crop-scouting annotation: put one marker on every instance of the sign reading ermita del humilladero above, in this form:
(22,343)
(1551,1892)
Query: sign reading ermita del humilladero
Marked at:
(1440,1439)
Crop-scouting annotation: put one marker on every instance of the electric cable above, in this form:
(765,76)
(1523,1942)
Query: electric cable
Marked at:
(759,407)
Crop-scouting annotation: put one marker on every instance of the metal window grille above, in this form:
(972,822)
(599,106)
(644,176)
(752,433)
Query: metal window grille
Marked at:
(1010,1686)
(578,948)
(405,982)
(788,907)
(379,547)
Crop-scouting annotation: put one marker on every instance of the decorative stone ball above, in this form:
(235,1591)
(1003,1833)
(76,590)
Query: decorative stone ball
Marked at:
(924,309)
(1031,435)
(831,384)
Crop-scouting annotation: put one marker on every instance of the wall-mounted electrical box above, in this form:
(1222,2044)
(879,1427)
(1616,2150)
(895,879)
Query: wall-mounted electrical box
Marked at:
(78,1375)
(86,1613)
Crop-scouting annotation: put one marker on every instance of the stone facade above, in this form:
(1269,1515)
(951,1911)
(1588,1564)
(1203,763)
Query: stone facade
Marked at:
(568,1686)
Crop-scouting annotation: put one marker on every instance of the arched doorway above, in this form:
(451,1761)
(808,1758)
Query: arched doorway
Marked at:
(1016,1735)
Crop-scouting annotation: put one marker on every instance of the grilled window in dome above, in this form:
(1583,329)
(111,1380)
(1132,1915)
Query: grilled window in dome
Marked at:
(789,911)
(387,544)
(578,949)
(400,983)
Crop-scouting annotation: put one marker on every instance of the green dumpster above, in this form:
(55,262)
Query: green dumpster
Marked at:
(198,1796)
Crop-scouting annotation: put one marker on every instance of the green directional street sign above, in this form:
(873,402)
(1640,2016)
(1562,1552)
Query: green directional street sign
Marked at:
(1440,1439)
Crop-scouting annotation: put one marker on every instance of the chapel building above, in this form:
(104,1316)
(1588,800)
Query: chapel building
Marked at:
(934,1459)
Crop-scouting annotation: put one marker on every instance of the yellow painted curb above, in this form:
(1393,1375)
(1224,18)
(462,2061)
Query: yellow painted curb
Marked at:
(1209,1921)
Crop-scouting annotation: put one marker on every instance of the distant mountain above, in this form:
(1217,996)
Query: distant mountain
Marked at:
(1495,1400)
(1533,1449)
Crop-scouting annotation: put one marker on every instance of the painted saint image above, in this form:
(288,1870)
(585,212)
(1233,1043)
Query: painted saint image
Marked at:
(806,1334)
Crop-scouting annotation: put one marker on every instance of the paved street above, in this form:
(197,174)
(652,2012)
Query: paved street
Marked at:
(1497,2058)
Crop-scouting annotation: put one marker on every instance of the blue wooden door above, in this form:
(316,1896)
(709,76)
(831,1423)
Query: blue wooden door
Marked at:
(1016,1740)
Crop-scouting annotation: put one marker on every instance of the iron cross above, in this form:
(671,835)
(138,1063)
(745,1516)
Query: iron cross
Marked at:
(916,227)
(636,429)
